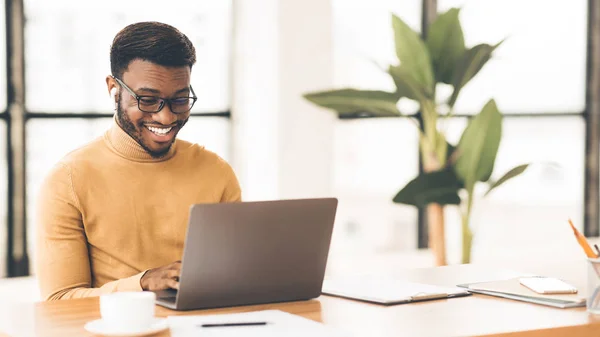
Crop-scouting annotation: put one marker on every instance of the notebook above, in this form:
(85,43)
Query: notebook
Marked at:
(389,291)
(512,289)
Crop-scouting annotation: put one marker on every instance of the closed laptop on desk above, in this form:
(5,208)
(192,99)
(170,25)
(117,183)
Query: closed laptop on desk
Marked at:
(253,252)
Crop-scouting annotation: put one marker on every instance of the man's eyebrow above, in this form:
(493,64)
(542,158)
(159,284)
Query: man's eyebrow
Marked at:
(155,91)
(182,90)
(150,90)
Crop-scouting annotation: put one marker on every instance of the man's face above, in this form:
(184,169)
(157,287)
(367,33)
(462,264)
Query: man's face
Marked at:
(155,132)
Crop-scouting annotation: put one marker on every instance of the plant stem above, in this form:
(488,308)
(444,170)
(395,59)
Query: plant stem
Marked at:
(445,120)
(437,241)
(467,234)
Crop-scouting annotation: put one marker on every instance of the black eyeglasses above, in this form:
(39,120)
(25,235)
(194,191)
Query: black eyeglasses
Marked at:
(153,104)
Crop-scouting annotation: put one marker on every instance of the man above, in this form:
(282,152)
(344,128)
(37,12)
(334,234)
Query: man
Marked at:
(112,215)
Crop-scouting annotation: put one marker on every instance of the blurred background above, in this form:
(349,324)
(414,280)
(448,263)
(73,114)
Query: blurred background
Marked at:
(255,61)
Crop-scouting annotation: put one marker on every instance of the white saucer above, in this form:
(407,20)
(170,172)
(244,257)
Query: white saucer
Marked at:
(100,327)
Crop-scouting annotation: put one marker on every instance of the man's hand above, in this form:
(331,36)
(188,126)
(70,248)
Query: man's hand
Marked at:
(162,278)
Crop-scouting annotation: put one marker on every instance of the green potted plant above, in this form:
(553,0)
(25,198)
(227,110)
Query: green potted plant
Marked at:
(450,171)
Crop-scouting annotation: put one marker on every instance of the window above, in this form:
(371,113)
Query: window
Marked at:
(538,80)
(363,40)
(539,68)
(536,204)
(65,72)
(67,45)
(373,158)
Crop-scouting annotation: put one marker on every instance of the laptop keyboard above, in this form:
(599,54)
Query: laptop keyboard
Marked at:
(167,295)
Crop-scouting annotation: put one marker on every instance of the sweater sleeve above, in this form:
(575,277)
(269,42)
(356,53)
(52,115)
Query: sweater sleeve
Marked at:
(232,191)
(63,266)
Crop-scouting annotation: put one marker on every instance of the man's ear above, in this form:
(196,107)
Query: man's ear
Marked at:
(111,85)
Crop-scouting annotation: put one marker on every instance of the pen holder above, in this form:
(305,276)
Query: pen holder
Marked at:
(593,286)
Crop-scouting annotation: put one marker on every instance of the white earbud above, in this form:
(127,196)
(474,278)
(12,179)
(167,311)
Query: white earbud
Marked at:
(113,93)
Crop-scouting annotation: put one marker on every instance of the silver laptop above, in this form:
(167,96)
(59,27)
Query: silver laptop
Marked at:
(253,252)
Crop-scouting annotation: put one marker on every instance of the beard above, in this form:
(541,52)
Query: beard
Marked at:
(135,132)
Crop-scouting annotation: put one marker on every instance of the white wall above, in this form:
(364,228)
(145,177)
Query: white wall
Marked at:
(282,145)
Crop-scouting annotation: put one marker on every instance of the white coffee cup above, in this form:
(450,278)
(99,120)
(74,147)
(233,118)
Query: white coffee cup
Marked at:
(128,311)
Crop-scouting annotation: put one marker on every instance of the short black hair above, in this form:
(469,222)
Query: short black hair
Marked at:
(155,42)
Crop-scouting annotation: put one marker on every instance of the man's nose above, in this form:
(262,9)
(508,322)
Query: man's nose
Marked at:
(165,116)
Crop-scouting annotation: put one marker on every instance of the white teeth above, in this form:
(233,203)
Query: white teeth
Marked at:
(159,131)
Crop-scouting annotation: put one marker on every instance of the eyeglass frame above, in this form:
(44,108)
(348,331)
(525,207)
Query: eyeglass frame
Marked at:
(163,100)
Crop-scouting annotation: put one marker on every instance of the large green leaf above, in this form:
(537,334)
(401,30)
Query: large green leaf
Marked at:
(435,187)
(407,86)
(352,102)
(412,53)
(468,66)
(446,45)
(515,171)
(478,146)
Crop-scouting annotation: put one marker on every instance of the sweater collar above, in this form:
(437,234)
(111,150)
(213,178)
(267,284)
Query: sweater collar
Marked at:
(125,146)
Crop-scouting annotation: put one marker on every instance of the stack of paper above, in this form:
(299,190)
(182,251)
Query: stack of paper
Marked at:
(389,291)
(512,289)
(278,323)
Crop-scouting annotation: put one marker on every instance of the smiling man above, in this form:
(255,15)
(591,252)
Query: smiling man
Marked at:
(112,215)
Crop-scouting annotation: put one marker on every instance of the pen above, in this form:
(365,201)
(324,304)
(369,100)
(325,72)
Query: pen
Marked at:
(583,242)
(597,249)
(216,325)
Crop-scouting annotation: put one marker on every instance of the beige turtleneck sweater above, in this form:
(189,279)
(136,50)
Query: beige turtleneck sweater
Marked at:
(108,212)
